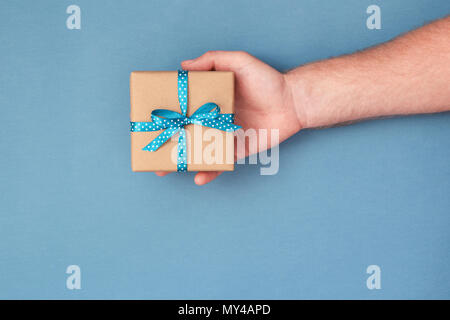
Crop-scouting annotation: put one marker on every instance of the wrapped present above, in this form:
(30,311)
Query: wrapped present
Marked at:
(182,121)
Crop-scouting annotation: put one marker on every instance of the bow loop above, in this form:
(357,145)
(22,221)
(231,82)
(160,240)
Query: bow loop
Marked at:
(209,110)
(166,118)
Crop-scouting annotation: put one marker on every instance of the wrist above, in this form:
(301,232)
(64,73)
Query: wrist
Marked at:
(300,96)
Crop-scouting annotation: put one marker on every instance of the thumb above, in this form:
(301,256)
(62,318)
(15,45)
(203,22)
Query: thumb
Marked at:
(217,60)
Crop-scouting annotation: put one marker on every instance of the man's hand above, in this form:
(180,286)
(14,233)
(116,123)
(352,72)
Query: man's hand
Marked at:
(408,75)
(263,99)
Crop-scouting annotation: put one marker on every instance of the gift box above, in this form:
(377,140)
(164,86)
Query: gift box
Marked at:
(182,121)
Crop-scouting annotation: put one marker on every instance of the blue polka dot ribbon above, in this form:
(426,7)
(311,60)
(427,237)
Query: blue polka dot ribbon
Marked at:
(207,115)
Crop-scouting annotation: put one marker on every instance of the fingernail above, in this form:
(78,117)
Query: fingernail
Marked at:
(198,180)
(188,61)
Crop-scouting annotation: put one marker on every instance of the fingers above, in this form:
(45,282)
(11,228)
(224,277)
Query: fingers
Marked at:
(218,60)
(201,178)
(161,173)
(204,177)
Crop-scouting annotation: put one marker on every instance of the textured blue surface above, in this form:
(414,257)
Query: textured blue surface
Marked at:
(372,193)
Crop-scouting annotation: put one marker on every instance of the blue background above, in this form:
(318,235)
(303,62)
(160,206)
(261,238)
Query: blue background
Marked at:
(375,192)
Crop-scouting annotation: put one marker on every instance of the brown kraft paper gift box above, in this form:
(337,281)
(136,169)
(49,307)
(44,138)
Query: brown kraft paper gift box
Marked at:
(150,90)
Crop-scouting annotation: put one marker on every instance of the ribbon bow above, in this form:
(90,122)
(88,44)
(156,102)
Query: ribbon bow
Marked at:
(208,115)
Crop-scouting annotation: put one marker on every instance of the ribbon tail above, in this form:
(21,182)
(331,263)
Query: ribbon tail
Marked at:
(156,143)
(234,127)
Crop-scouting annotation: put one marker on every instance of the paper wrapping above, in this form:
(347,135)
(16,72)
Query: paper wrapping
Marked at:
(150,90)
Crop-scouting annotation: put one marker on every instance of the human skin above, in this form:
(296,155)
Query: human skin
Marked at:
(407,75)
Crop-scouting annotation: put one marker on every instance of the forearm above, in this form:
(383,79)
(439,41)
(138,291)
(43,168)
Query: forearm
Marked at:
(408,75)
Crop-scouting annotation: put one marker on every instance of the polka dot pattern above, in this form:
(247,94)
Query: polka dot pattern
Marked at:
(182,152)
(182,90)
(160,139)
(207,115)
